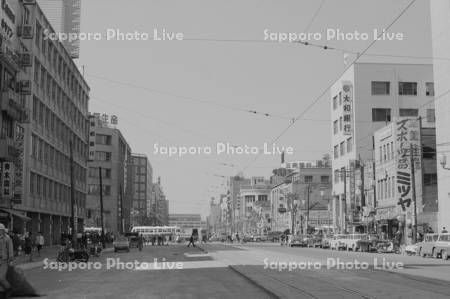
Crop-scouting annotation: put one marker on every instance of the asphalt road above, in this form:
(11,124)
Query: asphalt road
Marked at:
(249,271)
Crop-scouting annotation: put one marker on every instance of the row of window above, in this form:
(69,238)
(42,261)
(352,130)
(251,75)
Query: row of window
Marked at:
(52,157)
(60,67)
(342,148)
(95,173)
(404,88)
(384,88)
(59,99)
(387,152)
(46,188)
(386,187)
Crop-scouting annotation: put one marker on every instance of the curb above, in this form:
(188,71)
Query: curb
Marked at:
(255,283)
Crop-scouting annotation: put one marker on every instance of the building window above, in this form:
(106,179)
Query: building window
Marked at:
(381,114)
(102,156)
(340,98)
(429,89)
(431,117)
(103,139)
(336,151)
(388,152)
(308,178)
(407,88)
(349,144)
(335,127)
(325,179)
(429,179)
(342,148)
(340,123)
(409,112)
(381,88)
(336,176)
(335,103)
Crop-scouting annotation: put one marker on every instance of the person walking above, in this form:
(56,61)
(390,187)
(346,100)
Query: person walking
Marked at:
(140,242)
(191,241)
(6,257)
(28,246)
(39,242)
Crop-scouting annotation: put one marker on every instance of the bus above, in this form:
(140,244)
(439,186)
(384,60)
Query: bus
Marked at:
(150,231)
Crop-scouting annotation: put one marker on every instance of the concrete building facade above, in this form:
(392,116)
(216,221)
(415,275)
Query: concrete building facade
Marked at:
(142,188)
(440,24)
(366,98)
(112,154)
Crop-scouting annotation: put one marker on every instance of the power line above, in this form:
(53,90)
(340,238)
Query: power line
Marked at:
(188,98)
(313,103)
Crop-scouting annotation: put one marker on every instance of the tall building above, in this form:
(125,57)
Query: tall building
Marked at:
(109,150)
(237,210)
(160,207)
(14,112)
(392,171)
(52,88)
(64,17)
(363,100)
(142,185)
(440,24)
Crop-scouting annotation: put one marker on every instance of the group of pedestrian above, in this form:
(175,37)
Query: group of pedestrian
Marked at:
(26,243)
(159,240)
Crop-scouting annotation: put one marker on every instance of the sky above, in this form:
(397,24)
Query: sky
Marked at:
(196,91)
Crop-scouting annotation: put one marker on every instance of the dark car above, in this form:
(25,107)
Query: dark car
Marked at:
(315,241)
(274,236)
(121,243)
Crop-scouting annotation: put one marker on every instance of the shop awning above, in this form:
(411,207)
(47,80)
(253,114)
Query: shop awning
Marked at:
(16,213)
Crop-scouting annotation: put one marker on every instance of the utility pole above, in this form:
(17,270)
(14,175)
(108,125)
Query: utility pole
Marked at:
(72,198)
(307,207)
(344,210)
(413,192)
(101,205)
(122,223)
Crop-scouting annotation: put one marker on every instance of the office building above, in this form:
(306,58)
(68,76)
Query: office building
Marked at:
(186,222)
(142,191)
(110,152)
(440,24)
(64,16)
(366,98)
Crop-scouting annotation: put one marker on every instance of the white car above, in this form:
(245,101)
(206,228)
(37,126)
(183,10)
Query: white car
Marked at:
(336,242)
(350,242)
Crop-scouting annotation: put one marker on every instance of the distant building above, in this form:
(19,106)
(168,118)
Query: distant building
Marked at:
(109,150)
(64,16)
(186,222)
(160,207)
(254,201)
(142,189)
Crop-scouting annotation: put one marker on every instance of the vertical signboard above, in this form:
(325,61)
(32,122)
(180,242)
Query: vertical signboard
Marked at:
(92,124)
(408,143)
(347,106)
(18,176)
(7,179)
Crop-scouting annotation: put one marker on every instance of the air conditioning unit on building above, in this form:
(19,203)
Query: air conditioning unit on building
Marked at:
(25,31)
(26,59)
(25,87)
(29,2)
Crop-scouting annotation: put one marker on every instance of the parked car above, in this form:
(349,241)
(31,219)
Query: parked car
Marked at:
(428,246)
(336,243)
(121,243)
(274,236)
(368,243)
(351,241)
(314,241)
(326,239)
(442,248)
(297,240)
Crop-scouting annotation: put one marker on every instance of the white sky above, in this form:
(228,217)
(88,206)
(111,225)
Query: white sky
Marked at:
(281,79)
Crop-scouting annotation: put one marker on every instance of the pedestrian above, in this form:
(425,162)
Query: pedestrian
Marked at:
(39,242)
(153,241)
(444,231)
(140,242)
(6,257)
(28,246)
(16,243)
(191,241)
(237,238)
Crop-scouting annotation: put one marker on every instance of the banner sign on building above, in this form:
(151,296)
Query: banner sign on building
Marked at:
(347,106)
(92,124)
(18,163)
(7,179)
(408,143)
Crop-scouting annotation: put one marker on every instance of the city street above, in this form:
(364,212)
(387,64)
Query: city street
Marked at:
(237,271)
